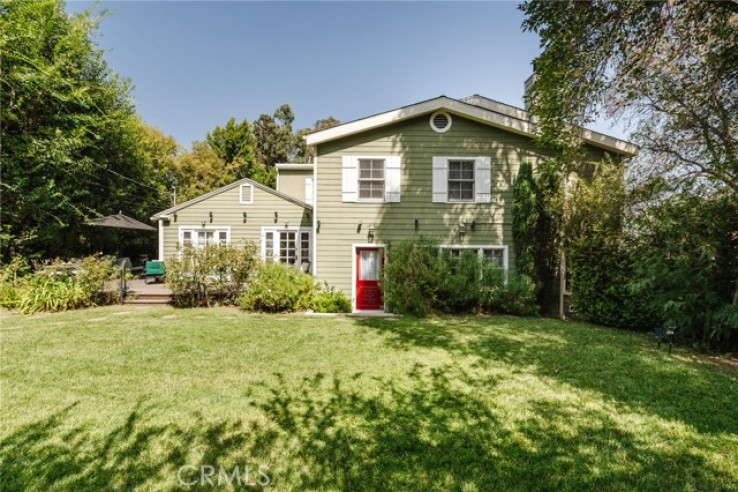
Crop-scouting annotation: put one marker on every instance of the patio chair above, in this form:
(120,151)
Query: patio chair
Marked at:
(153,269)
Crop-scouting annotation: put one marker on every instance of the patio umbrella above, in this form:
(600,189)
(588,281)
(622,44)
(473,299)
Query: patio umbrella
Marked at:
(120,221)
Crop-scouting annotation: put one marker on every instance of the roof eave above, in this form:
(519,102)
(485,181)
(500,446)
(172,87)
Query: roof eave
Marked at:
(471,111)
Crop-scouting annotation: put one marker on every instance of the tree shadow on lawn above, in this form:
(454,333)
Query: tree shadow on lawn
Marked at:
(623,367)
(433,428)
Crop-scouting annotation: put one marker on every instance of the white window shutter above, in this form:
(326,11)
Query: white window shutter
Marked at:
(349,191)
(440,179)
(309,190)
(393,179)
(482,179)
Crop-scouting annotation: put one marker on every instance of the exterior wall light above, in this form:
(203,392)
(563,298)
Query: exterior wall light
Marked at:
(276,216)
(211,217)
(417,224)
(371,232)
(462,227)
(473,224)
(245,217)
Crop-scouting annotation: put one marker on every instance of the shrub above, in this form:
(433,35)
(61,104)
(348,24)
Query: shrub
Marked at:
(54,289)
(410,281)
(330,300)
(11,275)
(419,279)
(215,274)
(278,288)
(508,293)
(458,281)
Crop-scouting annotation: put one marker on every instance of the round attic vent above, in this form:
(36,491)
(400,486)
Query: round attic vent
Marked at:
(440,121)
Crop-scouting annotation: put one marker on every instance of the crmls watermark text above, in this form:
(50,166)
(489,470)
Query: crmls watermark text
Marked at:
(202,475)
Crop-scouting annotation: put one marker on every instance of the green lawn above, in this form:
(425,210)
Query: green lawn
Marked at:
(123,397)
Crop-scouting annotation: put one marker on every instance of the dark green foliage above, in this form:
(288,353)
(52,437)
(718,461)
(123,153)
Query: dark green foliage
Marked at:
(524,219)
(410,277)
(457,281)
(278,288)
(508,293)
(330,300)
(686,265)
(598,256)
(420,279)
(215,274)
(71,143)
(537,218)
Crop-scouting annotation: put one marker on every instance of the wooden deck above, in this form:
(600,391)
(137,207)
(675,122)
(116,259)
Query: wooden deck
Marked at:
(140,292)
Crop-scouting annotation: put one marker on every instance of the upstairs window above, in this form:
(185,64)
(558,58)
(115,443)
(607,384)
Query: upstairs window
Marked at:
(371,179)
(461,180)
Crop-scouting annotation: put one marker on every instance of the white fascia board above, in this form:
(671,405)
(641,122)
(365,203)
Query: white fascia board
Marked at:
(482,115)
(294,167)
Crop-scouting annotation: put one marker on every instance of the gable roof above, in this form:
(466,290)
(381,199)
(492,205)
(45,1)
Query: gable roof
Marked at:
(476,108)
(279,194)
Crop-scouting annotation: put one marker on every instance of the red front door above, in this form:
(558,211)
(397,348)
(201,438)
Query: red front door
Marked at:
(369,262)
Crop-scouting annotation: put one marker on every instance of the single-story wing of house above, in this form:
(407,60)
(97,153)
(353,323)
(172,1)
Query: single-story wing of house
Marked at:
(440,169)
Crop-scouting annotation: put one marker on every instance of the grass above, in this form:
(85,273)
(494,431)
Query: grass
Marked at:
(120,398)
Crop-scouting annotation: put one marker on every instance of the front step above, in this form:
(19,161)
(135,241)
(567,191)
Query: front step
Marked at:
(149,299)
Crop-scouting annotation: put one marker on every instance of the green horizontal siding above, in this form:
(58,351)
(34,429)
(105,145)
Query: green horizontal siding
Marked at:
(292,182)
(417,144)
(228,211)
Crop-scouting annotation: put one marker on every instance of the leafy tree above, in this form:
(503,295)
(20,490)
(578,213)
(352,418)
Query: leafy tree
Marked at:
(70,139)
(325,123)
(275,141)
(669,69)
(234,140)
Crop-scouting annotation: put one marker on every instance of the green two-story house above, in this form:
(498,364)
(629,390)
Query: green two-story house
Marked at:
(440,169)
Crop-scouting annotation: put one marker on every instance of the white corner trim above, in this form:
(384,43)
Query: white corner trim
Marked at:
(315,217)
(161,239)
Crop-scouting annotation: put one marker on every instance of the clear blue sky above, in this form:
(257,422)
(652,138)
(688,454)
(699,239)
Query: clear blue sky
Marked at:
(195,64)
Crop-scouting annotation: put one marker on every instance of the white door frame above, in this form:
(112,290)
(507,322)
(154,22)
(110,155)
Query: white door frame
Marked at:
(354,247)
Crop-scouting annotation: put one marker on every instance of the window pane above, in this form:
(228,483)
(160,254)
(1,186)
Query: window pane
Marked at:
(467,190)
(287,248)
(495,256)
(304,246)
(371,179)
(461,181)
(369,265)
(269,245)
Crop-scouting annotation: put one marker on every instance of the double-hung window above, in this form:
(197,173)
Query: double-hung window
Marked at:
(461,180)
(199,237)
(287,246)
(371,179)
